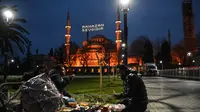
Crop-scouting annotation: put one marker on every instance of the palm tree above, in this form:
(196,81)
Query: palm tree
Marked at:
(12,34)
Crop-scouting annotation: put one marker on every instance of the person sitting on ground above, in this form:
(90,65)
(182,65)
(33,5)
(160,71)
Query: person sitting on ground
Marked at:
(135,94)
(56,76)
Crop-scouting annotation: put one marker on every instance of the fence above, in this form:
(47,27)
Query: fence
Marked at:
(185,73)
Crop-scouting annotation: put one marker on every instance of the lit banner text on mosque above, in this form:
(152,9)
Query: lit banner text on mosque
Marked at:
(94,27)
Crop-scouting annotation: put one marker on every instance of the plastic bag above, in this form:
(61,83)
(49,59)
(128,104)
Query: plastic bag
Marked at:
(39,94)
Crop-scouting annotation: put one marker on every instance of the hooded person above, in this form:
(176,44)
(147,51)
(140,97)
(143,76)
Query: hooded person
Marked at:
(135,94)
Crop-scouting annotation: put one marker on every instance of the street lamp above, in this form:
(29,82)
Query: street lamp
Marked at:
(125,8)
(161,64)
(8,18)
(189,59)
(12,60)
(189,54)
(123,45)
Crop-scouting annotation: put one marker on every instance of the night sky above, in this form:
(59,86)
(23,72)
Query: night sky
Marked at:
(47,19)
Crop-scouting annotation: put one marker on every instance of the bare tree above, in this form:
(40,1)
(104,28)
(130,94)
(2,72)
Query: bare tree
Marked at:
(137,46)
(83,57)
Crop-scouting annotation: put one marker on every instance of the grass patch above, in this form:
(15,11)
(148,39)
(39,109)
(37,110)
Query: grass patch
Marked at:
(92,86)
(88,89)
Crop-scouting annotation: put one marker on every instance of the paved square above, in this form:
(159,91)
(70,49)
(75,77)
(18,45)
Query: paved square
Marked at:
(172,95)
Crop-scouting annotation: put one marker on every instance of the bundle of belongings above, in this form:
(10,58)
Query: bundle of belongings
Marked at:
(39,94)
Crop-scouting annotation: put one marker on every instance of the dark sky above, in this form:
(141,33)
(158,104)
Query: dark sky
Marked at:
(47,19)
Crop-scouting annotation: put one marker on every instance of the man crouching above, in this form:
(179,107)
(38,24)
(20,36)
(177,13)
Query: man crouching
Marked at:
(135,94)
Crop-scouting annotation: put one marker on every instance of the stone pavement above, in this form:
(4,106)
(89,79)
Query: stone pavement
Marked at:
(172,95)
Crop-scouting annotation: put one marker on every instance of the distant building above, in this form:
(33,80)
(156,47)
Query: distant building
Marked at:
(190,41)
(96,47)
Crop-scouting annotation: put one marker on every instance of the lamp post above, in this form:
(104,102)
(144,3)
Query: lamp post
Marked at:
(189,55)
(8,18)
(125,8)
(161,64)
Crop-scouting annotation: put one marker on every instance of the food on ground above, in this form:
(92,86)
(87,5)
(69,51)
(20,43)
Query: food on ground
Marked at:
(84,103)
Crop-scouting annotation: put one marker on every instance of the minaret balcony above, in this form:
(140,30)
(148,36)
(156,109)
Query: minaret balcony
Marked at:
(67,35)
(118,31)
(67,44)
(117,41)
(118,22)
(67,26)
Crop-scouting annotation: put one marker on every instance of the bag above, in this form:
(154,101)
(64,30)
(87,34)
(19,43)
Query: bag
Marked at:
(39,94)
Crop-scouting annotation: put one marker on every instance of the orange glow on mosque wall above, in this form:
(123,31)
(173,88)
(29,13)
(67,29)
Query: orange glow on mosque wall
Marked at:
(101,46)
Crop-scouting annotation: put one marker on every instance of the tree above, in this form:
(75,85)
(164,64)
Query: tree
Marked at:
(26,65)
(157,46)
(180,51)
(158,57)
(84,56)
(137,46)
(37,51)
(55,52)
(148,53)
(60,54)
(166,54)
(51,52)
(13,33)
(72,56)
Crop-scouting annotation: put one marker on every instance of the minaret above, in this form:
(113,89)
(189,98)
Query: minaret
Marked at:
(68,36)
(190,43)
(118,35)
(169,37)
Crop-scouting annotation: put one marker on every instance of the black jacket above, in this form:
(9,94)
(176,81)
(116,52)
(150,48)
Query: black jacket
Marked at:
(135,90)
(59,82)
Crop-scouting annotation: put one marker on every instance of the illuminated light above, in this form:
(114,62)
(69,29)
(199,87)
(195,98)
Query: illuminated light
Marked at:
(37,66)
(67,35)
(179,63)
(189,54)
(118,31)
(118,41)
(118,22)
(67,26)
(124,2)
(122,55)
(67,44)
(12,60)
(123,45)
(17,66)
(160,62)
(8,14)
(193,61)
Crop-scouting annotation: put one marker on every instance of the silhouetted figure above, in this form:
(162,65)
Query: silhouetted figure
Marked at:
(56,76)
(135,94)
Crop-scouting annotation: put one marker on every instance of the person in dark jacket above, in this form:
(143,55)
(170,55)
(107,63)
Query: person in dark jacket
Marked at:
(56,76)
(135,94)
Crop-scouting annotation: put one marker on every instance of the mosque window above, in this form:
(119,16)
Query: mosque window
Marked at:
(105,70)
(92,70)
